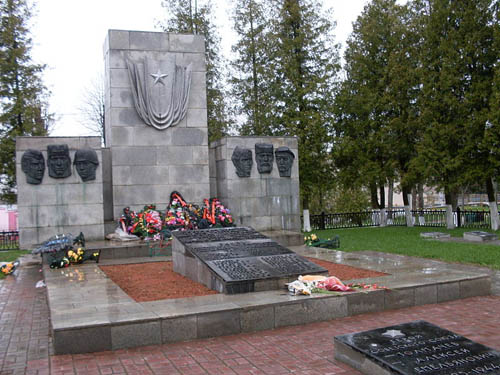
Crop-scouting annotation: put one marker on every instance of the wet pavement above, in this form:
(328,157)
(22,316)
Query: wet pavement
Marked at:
(26,347)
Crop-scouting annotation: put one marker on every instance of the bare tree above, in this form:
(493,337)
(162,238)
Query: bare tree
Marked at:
(92,107)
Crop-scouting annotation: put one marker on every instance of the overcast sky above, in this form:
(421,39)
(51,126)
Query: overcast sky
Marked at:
(68,36)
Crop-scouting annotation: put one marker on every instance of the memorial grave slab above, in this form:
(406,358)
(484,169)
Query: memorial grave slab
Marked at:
(237,260)
(415,348)
(435,235)
(480,236)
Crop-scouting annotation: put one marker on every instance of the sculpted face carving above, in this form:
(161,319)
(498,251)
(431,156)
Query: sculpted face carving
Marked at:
(242,161)
(264,156)
(284,160)
(86,163)
(33,165)
(59,161)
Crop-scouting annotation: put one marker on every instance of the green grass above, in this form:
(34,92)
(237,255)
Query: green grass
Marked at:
(407,241)
(9,256)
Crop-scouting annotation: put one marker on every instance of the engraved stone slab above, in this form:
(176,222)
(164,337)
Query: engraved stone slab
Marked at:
(234,260)
(415,348)
(435,235)
(222,234)
(480,236)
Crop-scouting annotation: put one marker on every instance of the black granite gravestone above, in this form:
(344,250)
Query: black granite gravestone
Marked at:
(416,348)
(237,260)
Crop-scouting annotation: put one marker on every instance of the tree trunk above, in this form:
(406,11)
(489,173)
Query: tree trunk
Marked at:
(373,196)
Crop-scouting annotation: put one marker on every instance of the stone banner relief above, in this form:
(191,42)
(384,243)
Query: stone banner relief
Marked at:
(416,348)
(160,90)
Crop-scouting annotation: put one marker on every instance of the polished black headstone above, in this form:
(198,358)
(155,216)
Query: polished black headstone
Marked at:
(422,348)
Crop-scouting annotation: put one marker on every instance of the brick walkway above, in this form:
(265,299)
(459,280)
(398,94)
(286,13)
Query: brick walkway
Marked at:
(25,346)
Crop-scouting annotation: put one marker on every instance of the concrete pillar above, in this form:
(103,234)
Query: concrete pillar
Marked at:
(450,223)
(494,215)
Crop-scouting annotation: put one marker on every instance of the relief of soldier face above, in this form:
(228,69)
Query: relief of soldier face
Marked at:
(59,161)
(242,161)
(86,163)
(264,156)
(284,160)
(33,165)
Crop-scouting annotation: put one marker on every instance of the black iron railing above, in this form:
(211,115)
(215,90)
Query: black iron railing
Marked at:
(397,217)
(9,240)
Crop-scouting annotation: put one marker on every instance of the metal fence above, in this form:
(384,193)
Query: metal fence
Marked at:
(9,241)
(397,217)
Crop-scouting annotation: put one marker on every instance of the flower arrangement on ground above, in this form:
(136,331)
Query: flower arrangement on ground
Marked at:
(314,241)
(8,268)
(309,284)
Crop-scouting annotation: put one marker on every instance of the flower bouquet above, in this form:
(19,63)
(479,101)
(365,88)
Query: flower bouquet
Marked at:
(147,223)
(314,241)
(8,268)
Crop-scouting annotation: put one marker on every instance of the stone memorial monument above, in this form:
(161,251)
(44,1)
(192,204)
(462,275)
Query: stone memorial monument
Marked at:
(259,196)
(237,260)
(62,202)
(156,143)
(156,118)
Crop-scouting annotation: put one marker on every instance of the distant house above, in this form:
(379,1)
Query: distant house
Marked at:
(8,218)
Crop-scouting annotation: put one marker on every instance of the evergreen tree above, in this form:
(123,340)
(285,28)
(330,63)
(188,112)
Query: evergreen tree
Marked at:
(456,73)
(376,135)
(304,65)
(23,97)
(188,17)
(251,73)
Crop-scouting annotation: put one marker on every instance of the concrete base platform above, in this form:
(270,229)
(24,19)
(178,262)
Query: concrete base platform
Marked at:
(91,313)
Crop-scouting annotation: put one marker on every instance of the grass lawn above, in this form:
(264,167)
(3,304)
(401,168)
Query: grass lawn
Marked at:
(407,241)
(9,256)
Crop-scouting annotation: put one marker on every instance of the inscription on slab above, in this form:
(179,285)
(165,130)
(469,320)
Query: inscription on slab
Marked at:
(221,234)
(235,260)
(417,348)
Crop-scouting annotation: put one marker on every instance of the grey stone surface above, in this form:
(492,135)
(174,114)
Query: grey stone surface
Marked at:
(133,335)
(448,291)
(257,319)
(179,329)
(218,324)
(425,295)
(319,309)
(290,314)
(475,287)
(398,299)
(360,303)
(357,360)
(85,340)
(435,235)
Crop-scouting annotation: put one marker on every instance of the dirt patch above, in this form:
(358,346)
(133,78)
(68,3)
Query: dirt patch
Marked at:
(344,272)
(156,281)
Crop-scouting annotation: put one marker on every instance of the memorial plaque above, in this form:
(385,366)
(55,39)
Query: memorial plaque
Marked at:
(238,249)
(480,236)
(237,260)
(416,348)
(221,234)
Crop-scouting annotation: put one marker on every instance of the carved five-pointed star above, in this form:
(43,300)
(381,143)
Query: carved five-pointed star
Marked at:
(393,333)
(159,77)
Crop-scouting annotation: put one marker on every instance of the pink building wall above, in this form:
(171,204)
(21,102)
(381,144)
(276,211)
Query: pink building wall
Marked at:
(8,219)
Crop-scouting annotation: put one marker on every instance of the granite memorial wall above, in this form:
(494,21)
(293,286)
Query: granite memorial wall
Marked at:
(156,142)
(60,189)
(161,145)
(258,179)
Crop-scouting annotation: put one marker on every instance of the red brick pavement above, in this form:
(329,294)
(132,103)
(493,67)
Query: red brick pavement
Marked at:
(25,343)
